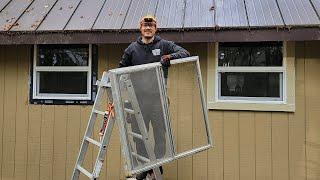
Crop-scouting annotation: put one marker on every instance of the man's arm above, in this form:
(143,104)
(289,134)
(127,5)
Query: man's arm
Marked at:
(126,58)
(177,52)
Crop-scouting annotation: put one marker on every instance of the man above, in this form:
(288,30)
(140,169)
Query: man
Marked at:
(150,48)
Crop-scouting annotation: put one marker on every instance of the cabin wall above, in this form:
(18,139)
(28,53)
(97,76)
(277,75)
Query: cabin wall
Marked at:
(42,141)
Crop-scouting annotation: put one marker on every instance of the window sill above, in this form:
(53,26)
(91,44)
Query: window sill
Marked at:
(282,107)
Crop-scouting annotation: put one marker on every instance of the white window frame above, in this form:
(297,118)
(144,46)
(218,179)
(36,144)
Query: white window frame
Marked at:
(286,102)
(36,69)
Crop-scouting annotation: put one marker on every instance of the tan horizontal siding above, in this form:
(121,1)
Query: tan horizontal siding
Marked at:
(42,142)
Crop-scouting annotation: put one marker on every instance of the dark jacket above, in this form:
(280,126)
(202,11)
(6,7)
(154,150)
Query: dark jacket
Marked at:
(139,53)
(145,83)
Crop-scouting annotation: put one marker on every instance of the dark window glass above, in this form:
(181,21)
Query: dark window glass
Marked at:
(63,82)
(63,55)
(250,84)
(250,54)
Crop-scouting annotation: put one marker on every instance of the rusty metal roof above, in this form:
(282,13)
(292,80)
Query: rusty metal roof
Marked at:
(83,16)
(263,13)
(33,15)
(298,12)
(112,15)
(199,14)
(231,14)
(137,10)
(170,14)
(59,15)
(3,4)
(65,15)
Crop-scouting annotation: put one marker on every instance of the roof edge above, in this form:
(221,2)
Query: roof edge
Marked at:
(198,35)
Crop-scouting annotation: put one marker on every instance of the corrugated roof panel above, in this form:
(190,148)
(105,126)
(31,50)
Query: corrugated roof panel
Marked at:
(59,16)
(231,13)
(112,14)
(3,3)
(316,4)
(170,13)
(199,14)
(137,10)
(10,14)
(34,15)
(298,12)
(263,13)
(85,15)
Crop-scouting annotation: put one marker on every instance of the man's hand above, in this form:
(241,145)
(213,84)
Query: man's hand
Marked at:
(165,60)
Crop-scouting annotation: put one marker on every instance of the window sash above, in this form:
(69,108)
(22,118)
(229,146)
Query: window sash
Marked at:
(36,75)
(238,99)
(251,99)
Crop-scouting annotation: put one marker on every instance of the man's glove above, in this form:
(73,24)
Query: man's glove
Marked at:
(165,60)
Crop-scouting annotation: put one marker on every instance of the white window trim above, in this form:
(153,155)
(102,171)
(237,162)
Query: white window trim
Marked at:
(36,69)
(259,104)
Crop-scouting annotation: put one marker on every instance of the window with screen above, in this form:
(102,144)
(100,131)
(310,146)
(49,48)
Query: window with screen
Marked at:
(250,71)
(63,74)
(251,76)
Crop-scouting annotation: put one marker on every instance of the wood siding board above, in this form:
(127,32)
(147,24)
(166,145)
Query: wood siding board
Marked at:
(263,145)
(34,139)
(2,81)
(200,160)
(60,142)
(47,138)
(73,138)
(10,108)
(171,169)
(280,146)
(247,145)
(21,153)
(216,154)
(85,113)
(297,121)
(184,139)
(312,65)
(231,145)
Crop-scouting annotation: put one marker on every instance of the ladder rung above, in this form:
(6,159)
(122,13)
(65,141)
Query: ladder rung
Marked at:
(100,112)
(93,141)
(140,157)
(130,111)
(135,135)
(84,171)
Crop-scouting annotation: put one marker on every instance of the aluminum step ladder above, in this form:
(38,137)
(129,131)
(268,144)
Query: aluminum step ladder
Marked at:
(105,86)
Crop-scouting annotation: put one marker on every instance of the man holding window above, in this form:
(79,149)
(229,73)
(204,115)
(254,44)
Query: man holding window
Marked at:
(150,48)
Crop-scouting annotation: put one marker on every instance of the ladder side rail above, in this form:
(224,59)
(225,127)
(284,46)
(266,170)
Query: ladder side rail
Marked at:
(103,149)
(89,130)
(115,89)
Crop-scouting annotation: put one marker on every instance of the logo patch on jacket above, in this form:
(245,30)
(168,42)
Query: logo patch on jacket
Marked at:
(156,52)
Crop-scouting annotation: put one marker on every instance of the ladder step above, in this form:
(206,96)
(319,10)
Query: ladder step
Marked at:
(139,136)
(140,157)
(93,141)
(130,111)
(84,171)
(100,112)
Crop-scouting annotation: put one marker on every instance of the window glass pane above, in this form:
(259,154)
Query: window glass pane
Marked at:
(250,54)
(250,84)
(63,55)
(63,82)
